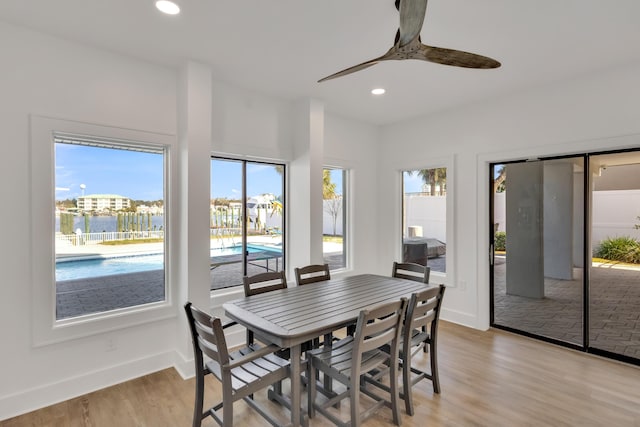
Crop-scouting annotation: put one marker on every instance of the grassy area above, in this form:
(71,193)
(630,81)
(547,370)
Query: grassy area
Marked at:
(131,242)
(332,239)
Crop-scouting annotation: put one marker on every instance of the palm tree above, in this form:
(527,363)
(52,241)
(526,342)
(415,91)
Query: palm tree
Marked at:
(499,184)
(432,177)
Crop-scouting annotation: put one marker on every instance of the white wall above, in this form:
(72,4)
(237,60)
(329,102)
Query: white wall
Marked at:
(428,212)
(353,146)
(614,214)
(48,77)
(584,114)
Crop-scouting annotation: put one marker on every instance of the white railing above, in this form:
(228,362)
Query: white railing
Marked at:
(106,236)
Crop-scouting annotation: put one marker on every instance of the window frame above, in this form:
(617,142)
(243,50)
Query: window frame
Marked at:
(447,278)
(345,211)
(46,329)
(221,294)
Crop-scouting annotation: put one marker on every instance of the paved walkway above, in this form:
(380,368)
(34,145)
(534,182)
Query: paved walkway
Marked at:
(85,296)
(614,310)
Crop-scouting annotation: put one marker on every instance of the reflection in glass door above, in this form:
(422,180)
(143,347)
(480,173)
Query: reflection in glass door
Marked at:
(537,252)
(246,220)
(614,279)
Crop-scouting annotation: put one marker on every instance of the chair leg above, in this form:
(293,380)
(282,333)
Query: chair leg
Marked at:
(407,386)
(435,378)
(354,400)
(393,382)
(199,398)
(227,409)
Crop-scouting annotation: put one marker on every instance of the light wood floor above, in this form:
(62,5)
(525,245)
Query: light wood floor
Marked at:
(488,379)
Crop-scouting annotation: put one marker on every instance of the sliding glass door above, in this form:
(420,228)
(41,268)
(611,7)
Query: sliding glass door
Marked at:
(550,219)
(538,248)
(246,220)
(614,279)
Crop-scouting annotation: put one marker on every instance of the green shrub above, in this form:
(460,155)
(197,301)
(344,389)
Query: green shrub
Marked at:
(500,241)
(624,249)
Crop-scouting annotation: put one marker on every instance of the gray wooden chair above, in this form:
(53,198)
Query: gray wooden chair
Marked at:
(241,373)
(419,331)
(411,271)
(261,283)
(312,273)
(352,358)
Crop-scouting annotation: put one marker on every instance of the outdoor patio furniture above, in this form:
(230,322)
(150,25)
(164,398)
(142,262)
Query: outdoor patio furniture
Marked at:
(411,271)
(352,358)
(241,373)
(420,329)
(259,284)
(419,249)
(291,316)
(312,273)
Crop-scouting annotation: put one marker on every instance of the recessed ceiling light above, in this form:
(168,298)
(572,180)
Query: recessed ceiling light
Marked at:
(168,7)
(378,91)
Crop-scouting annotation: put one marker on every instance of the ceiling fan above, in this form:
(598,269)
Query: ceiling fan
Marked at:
(408,45)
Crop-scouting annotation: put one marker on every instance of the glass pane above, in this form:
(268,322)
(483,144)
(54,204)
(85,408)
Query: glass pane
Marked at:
(225,222)
(538,244)
(424,218)
(333,227)
(263,222)
(614,278)
(109,228)
(265,215)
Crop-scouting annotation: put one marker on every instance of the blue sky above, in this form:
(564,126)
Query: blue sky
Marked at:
(139,175)
(131,174)
(226,179)
(412,183)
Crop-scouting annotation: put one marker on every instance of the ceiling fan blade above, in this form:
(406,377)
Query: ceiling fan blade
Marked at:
(456,58)
(412,14)
(350,70)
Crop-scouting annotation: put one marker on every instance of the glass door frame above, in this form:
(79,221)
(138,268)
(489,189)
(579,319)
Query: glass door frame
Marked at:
(245,198)
(586,252)
(491,251)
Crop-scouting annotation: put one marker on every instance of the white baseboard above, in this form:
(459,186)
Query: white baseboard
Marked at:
(461,318)
(48,394)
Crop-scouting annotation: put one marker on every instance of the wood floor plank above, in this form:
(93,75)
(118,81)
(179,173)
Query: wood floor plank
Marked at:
(489,378)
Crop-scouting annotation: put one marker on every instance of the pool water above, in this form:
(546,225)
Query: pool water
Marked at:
(86,268)
(82,269)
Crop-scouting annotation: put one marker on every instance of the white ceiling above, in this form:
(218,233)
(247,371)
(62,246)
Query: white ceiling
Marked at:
(282,47)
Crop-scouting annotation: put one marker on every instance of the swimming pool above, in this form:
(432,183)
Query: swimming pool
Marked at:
(96,267)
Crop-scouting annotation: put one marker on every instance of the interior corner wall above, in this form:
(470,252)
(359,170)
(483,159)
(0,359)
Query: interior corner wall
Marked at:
(593,112)
(45,76)
(353,146)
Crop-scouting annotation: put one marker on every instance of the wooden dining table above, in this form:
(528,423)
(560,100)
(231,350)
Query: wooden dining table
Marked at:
(292,316)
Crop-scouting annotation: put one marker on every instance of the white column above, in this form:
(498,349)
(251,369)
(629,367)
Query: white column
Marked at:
(305,185)
(194,136)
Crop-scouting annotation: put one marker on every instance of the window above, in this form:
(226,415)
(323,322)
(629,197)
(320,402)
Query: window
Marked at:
(424,218)
(334,217)
(109,235)
(246,220)
(97,194)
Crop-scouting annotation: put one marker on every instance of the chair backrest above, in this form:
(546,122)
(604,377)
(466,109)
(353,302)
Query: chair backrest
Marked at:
(207,336)
(312,273)
(423,309)
(378,326)
(411,271)
(264,282)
